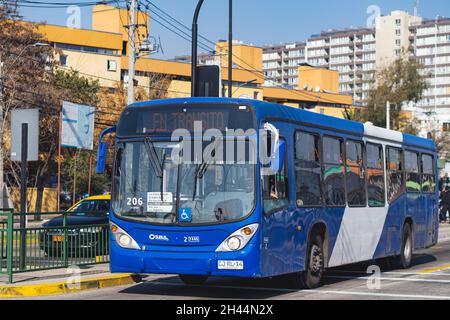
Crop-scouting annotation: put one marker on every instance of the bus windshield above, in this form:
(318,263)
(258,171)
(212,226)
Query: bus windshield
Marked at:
(156,191)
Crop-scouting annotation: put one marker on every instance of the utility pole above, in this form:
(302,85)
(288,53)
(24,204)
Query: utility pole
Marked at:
(230,48)
(194,49)
(132,51)
(1,134)
(388,115)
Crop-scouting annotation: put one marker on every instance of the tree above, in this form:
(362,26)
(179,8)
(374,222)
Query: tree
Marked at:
(26,83)
(400,83)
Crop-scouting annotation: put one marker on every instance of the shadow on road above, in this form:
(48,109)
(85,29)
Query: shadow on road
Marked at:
(269,288)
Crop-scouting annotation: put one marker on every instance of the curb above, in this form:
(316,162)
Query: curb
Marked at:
(59,288)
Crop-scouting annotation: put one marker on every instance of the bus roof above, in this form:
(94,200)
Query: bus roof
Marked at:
(268,110)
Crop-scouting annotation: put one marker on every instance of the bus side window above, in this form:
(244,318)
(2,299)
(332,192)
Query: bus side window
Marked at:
(394,175)
(428,176)
(275,191)
(333,172)
(412,171)
(308,172)
(355,176)
(375,175)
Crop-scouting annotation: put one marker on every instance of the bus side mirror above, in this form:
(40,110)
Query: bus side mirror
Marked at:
(101,156)
(102,150)
(278,157)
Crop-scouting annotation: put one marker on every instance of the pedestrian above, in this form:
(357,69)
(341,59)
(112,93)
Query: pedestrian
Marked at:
(445,204)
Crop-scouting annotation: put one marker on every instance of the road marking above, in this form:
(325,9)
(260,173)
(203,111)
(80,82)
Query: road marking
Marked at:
(431,270)
(341,292)
(379,294)
(394,273)
(390,279)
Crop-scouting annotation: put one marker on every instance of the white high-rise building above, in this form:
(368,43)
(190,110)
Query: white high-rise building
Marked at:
(431,46)
(355,53)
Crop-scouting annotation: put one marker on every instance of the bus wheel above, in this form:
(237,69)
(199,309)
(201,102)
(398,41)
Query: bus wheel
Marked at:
(189,279)
(407,247)
(312,276)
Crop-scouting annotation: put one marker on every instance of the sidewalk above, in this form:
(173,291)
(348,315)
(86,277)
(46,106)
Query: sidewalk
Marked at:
(444,232)
(60,281)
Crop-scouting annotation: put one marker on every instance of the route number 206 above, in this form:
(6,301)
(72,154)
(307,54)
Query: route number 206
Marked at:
(135,201)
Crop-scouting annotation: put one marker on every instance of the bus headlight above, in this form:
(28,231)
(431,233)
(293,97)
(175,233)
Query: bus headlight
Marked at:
(123,239)
(239,239)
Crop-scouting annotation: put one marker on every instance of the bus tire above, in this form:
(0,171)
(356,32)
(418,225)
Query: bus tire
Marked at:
(190,279)
(315,264)
(406,251)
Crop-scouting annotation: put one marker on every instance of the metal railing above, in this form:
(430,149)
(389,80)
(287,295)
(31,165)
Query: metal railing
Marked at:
(53,246)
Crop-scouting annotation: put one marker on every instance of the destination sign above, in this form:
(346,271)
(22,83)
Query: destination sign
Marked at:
(167,119)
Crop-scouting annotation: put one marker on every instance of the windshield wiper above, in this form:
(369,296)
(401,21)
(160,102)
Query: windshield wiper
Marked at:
(153,157)
(201,169)
(156,165)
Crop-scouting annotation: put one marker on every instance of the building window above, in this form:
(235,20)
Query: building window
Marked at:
(398,32)
(397,42)
(63,60)
(398,22)
(333,172)
(112,65)
(355,177)
(446,127)
(375,175)
(308,173)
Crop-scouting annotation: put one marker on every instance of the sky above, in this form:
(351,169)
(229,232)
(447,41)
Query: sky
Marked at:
(257,22)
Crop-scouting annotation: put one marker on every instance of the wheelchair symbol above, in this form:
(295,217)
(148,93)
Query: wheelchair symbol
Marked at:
(185,214)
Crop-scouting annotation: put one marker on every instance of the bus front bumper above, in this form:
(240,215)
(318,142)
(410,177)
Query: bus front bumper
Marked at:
(244,263)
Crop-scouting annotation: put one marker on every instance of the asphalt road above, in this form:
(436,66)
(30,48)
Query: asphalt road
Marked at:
(429,278)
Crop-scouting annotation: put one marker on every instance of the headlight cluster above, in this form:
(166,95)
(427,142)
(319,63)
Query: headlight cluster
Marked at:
(239,239)
(123,239)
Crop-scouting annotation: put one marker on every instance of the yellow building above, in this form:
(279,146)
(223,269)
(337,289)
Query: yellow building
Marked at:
(101,54)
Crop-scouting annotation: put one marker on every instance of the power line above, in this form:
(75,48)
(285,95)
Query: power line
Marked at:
(256,72)
(177,21)
(202,45)
(43,4)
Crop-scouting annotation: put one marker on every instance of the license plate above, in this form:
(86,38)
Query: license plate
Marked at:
(58,238)
(230,265)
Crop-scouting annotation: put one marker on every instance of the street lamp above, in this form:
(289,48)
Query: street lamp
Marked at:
(37,44)
(241,85)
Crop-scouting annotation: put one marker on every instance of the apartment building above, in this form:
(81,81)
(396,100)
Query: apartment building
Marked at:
(355,53)
(431,45)
(393,35)
(281,63)
(351,52)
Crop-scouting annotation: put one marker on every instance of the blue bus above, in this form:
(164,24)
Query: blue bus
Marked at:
(330,192)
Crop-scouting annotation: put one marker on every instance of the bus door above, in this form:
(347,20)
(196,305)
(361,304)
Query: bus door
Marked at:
(276,247)
(415,200)
(430,198)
